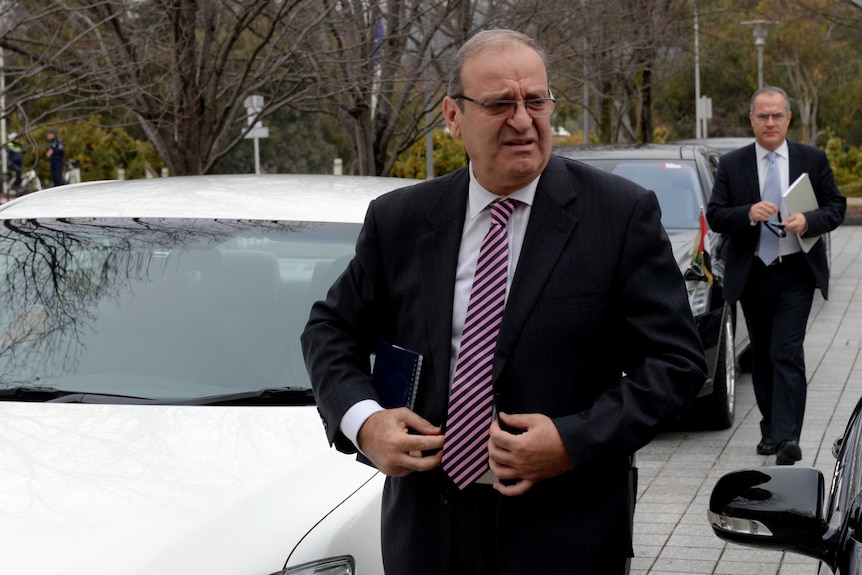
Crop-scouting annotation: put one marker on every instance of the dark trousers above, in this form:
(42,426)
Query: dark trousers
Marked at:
(57,174)
(776,302)
(474,546)
(474,528)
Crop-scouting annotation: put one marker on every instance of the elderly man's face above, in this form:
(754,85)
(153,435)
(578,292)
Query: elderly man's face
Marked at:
(507,151)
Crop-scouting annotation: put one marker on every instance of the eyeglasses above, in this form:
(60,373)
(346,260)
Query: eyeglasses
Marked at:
(777,229)
(763,118)
(536,107)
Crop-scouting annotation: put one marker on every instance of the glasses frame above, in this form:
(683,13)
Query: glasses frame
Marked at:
(511,105)
(764,118)
(777,229)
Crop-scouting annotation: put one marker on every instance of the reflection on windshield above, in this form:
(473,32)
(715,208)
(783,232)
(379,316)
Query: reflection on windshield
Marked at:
(675,183)
(161,308)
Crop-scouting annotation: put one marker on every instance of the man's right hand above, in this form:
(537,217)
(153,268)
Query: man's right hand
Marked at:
(386,439)
(762,211)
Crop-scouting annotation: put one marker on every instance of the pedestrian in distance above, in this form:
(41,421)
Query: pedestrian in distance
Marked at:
(15,159)
(767,270)
(56,155)
(572,349)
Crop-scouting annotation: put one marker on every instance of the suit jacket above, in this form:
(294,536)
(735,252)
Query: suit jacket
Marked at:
(737,187)
(597,334)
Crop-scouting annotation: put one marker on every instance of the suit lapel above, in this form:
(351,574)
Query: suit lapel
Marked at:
(796,159)
(548,232)
(438,250)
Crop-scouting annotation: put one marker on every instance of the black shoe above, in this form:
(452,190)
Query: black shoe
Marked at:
(788,453)
(765,447)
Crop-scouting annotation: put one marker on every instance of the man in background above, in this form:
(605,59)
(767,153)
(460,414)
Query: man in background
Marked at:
(766,269)
(56,155)
(15,160)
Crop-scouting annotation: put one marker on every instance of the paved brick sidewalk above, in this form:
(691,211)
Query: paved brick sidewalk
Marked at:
(679,469)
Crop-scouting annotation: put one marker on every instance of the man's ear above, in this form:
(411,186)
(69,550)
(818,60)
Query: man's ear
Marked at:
(452,115)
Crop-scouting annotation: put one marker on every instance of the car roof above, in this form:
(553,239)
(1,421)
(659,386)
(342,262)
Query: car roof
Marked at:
(722,144)
(632,151)
(301,197)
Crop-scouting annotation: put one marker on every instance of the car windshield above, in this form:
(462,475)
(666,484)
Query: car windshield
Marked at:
(675,183)
(161,308)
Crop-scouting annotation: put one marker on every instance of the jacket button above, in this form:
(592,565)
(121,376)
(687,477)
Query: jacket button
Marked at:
(443,500)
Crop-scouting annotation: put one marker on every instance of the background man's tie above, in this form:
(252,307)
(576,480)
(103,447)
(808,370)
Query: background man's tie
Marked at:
(768,250)
(471,399)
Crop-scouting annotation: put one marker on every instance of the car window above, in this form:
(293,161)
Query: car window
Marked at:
(162,308)
(675,183)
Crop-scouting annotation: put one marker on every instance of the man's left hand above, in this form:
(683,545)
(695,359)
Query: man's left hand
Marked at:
(525,458)
(796,223)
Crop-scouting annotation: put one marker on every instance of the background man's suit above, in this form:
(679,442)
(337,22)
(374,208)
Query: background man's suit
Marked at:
(736,189)
(596,293)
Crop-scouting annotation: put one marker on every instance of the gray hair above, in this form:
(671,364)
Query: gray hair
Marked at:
(483,41)
(770,90)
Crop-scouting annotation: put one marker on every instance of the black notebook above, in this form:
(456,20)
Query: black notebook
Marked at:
(395,375)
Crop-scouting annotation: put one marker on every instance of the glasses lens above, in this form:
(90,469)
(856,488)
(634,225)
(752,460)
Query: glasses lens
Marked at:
(497,107)
(765,117)
(540,107)
(536,107)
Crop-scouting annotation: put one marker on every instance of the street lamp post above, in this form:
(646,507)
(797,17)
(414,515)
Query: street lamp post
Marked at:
(3,160)
(698,130)
(759,32)
(254,106)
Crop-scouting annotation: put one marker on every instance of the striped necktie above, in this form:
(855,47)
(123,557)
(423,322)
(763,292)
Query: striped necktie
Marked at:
(471,399)
(768,250)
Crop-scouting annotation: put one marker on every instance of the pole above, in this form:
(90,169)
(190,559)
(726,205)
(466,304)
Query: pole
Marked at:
(759,66)
(256,155)
(429,146)
(586,95)
(5,174)
(698,130)
(760,33)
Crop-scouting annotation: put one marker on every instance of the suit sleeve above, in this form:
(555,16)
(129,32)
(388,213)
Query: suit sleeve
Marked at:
(832,205)
(658,345)
(338,339)
(723,213)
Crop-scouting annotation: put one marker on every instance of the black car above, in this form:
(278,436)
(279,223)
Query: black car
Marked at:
(782,508)
(681,176)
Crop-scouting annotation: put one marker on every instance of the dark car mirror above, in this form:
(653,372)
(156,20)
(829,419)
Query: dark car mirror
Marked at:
(777,508)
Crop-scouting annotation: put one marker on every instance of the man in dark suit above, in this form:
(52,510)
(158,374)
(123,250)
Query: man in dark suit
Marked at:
(596,350)
(766,269)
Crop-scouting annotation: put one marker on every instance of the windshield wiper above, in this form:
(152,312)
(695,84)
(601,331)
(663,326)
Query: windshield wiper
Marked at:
(289,395)
(46,394)
(270,396)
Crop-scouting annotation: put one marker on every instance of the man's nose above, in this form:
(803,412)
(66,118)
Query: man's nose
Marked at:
(521,120)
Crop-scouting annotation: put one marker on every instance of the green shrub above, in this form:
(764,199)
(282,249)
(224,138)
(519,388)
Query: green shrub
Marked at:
(847,166)
(449,155)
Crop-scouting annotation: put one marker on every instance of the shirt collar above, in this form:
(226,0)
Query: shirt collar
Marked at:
(781,151)
(480,198)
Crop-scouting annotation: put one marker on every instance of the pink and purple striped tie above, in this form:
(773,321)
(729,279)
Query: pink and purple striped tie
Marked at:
(471,399)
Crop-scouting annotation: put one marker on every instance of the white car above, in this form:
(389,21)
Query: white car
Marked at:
(155,411)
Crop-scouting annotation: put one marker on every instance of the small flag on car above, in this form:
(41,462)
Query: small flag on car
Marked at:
(699,269)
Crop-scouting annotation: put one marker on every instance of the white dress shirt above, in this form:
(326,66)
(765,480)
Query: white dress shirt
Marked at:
(790,243)
(476,225)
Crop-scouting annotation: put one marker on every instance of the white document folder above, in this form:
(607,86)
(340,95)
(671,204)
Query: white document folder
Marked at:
(799,198)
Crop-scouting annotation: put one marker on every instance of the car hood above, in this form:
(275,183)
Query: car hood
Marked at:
(99,489)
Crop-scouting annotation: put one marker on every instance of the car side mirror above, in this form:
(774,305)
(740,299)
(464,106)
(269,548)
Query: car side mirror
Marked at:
(777,508)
